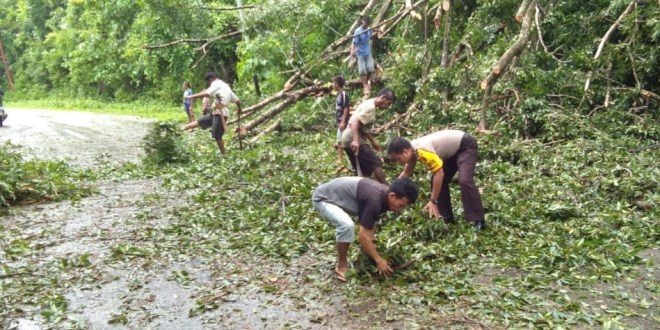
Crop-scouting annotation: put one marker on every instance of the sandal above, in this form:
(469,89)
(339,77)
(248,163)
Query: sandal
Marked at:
(339,275)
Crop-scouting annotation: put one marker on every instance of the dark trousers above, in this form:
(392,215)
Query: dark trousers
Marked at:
(464,162)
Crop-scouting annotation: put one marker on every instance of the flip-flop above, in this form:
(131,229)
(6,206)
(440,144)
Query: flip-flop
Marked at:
(339,275)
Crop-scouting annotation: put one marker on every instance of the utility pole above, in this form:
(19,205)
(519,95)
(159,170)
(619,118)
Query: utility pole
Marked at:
(4,61)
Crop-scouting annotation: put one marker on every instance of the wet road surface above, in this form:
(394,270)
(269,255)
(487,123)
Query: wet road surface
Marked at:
(83,139)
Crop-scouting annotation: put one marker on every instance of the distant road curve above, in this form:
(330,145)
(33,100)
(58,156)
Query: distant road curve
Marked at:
(80,138)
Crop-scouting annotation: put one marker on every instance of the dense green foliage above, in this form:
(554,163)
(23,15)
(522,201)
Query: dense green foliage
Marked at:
(162,144)
(31,181)
(569,179)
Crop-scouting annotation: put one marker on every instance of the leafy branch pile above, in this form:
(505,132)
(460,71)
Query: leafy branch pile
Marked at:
(33,181)
(162,146)
(568,136)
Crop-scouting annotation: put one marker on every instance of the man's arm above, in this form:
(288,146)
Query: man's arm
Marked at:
(373,141)
(409,169)
(354,123)
(224,122)
(366,238)
(344,118)
(238,107)
(436,187)
(196,96)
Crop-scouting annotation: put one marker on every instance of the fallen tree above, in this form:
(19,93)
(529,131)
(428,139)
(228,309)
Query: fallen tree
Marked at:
(504,62)
(288,96)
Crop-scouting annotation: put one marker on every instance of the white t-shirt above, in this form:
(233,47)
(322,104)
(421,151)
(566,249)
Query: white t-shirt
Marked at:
(366,113)
(222,95)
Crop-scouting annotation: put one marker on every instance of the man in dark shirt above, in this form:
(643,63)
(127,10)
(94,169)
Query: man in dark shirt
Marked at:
(368,199)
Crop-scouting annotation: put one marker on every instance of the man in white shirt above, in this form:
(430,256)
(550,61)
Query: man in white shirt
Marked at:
(222,96)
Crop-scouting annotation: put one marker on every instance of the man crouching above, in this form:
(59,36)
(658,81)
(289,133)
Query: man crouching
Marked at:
(368,199)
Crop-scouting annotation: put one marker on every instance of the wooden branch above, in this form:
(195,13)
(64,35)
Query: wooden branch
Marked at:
(412,109)
(290,98)
(538,29)
(383,10)
(399,16)
(228,8)
(283,94)
(266,116)
(649,94)
(513,51)
(200,59)
(6,64)
(204,40)
(408,6)
(437,19)
(483,113)
(275,126)
(254,108)
(445,43)
(608,94)
(616,23)
(211,40)
(607,36)
(504,62)
(522,10)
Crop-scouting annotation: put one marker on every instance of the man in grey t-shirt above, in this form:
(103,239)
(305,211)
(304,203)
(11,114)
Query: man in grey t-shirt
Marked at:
(368,199)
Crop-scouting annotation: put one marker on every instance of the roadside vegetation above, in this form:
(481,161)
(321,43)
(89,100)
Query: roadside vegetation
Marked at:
(568,137)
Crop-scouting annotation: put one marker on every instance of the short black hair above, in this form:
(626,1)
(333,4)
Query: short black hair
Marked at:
(339,80)
(404,187)
(398,145)
(365,19)
(210,75)
(388,93)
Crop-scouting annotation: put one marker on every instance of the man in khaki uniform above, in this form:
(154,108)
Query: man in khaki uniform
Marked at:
(444,153)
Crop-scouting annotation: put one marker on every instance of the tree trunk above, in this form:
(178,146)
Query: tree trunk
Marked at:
(522,10)
(407,116)
(484,108)
(276,125)
(512,52)
(504,62)
(445,42)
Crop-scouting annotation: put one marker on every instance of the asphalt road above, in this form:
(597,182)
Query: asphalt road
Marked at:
(80,138)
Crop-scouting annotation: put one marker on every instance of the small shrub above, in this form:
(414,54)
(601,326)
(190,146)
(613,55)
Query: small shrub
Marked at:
(163,145)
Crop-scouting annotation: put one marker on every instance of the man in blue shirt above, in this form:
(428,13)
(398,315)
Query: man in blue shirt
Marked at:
(361,49)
